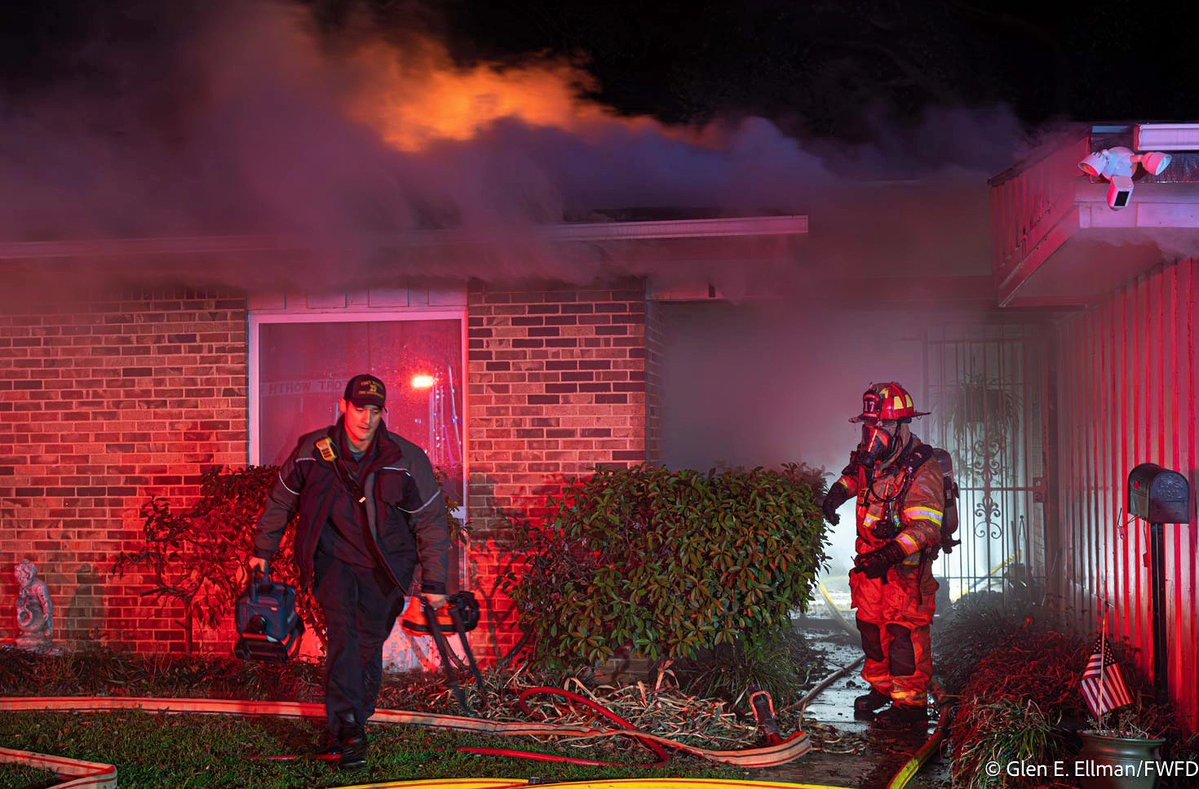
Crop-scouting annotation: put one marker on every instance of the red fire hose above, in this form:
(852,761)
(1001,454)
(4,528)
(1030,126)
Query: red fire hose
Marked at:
(627,729)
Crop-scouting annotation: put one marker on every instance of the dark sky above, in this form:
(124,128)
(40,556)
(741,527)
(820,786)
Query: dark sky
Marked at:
(821,68)
(122,118)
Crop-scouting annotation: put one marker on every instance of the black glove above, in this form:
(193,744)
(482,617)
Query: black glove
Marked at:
(876,563)
(837,495)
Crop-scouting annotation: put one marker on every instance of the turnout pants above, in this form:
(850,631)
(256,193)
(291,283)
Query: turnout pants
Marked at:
(894,620)
(361,605)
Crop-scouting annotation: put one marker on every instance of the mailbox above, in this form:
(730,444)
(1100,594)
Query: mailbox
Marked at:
(1158,495)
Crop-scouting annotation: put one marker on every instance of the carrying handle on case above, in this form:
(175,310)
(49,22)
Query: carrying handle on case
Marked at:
(255,582)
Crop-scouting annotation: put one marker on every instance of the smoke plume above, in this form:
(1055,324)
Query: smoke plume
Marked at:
(372,157)
(226,119)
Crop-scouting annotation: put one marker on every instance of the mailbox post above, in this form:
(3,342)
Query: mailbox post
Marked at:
(1159,496)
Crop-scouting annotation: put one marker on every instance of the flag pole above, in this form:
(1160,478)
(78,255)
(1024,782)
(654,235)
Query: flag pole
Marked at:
(1103,659)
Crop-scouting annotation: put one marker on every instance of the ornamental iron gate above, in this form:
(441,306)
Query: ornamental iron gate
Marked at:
(986,388)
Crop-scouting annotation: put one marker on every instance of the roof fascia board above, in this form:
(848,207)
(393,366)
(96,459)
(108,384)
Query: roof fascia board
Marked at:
(790,225)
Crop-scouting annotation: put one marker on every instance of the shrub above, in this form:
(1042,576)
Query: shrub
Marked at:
(198,558)
(1006,732)
(1010,674)
(669,563)
(978,622)
(782,664)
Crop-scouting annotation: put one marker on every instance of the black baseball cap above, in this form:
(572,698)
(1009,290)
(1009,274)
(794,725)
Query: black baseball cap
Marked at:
(364,390)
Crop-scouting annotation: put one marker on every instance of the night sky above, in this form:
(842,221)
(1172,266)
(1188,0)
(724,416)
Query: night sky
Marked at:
(824,68)
(820,63)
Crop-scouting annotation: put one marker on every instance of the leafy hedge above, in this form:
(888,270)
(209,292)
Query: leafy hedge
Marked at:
(668,563)
(1016,683)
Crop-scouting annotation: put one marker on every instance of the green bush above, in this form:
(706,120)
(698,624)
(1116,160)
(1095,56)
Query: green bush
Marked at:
(783,665)
(668,563)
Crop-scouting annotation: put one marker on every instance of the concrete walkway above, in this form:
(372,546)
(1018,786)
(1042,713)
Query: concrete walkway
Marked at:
(886,750)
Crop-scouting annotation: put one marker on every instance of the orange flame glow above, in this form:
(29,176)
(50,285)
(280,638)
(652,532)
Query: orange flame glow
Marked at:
(418,96)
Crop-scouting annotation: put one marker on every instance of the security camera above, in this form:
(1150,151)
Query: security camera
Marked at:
(1119,193)
(1117,165)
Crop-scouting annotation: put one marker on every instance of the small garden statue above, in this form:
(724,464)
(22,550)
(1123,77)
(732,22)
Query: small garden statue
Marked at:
(35,609)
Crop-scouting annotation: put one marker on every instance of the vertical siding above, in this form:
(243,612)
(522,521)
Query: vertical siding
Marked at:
(1127,388)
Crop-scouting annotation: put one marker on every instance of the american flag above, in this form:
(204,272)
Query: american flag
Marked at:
(1110,692)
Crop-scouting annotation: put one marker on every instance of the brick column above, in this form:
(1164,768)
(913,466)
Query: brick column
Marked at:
(557,388)
(655,332)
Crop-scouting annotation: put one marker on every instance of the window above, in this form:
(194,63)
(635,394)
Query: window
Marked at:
(300,364)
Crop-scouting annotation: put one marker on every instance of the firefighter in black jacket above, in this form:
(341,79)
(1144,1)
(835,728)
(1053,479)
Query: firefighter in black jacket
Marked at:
(370,511)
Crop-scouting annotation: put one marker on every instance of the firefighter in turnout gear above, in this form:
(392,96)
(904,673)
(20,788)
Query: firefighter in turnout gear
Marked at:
(899,509)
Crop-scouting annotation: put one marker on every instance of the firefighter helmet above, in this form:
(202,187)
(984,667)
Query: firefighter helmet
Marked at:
(888,401)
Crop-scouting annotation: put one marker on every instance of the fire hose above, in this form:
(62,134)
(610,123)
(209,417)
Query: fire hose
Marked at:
(777,751)
(89,774)
(461,618)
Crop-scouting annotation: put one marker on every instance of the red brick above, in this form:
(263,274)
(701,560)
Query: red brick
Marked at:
(91,450)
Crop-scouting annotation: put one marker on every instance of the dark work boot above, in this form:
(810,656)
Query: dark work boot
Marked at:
(353,751)
(351,743)
(866,705)
(903,715)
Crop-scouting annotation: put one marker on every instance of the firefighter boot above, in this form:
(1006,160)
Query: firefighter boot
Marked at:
(903,716)
(353,752)
(866,705)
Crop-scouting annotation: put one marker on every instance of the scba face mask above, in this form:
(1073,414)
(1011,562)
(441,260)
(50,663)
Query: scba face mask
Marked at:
(878,441)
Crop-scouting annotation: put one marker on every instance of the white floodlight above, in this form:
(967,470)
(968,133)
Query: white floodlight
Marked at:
(1094,163)
(1117,165)
(1155,162)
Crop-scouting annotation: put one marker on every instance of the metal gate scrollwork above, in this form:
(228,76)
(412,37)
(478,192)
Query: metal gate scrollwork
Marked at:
(986,387)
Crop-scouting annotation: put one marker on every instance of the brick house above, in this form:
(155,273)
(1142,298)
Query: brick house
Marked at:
(112,394)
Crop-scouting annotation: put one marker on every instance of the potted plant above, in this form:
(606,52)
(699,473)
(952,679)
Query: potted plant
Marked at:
(1119,745)
(981,404)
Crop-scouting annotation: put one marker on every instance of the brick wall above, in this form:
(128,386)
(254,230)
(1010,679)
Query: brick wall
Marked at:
(557,387)
(655,330)
(104,404)
(135,394)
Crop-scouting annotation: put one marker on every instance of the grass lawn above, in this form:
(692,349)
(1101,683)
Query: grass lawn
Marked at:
(154,750)
(171,749)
